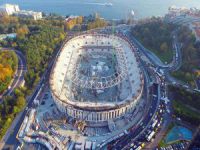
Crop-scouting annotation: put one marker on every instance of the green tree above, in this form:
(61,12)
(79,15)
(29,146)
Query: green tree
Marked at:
(163,47)
(20,102)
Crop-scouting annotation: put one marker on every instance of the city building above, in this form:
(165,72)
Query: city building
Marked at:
(9,9)
(29,14)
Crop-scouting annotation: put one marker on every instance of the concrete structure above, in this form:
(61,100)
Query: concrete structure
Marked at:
(96,78)
(29,14)
(97,86)
(8,9)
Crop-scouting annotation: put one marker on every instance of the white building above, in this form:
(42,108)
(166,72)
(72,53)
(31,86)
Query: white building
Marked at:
(29,14)
(9,9)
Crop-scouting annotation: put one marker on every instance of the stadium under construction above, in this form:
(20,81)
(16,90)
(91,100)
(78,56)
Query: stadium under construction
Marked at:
(96,92)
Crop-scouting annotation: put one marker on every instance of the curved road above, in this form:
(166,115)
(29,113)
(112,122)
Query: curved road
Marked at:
(19,75)
(10,138)
(17,81)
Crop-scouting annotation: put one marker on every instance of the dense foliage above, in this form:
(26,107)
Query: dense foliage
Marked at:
(190,54)
(9,108)
(8,24)
(97,23)
(38,49)
(37,40)
(8,66)
(156,36)
(186,105)
(70,23)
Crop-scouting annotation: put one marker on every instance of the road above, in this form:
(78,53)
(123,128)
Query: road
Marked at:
(177,57)
(17,81)
(161,133)
(138,130)
(11,134)
(166,68)
(11,138)
(123,143)
(166,120)
(173,66)
(19,75)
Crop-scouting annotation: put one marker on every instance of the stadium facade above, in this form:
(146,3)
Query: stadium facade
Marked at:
(97,78)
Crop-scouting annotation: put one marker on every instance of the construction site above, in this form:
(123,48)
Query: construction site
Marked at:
(95,93)
(96,78)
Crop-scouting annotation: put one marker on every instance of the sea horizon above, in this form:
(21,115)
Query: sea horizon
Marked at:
(108,9)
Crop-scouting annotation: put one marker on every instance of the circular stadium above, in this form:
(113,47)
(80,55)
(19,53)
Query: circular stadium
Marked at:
(96,78)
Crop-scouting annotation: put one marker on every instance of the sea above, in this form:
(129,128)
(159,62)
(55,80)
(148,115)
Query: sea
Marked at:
(108,9)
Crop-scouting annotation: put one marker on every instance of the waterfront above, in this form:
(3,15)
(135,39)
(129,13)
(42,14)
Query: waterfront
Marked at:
(118,10)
